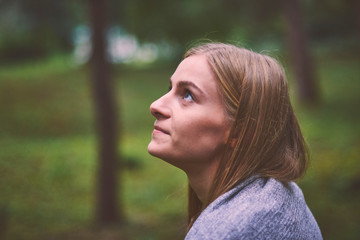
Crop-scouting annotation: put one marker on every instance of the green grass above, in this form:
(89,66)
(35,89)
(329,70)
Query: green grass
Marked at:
(48,154)
(48,158)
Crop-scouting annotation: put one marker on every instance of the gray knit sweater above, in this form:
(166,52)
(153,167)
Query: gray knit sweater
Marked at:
(258,208)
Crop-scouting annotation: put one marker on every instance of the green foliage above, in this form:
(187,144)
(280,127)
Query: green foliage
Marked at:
(332,185)
(48,157)
(249,22)
(45,112)
(33,29)
(178,21)
(36,29)
(48,162)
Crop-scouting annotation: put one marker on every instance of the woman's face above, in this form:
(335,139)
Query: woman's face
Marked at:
(191,127)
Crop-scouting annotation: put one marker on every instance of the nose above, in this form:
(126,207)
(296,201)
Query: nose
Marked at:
(160,108)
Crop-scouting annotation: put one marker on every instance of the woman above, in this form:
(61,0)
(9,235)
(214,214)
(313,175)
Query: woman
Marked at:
(227,122)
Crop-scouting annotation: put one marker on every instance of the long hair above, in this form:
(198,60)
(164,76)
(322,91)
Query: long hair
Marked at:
(265,138)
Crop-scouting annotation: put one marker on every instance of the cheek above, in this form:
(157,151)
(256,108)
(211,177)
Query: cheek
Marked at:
(212,136)
(204,133)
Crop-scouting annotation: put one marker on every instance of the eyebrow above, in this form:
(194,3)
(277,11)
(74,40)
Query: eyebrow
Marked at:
(182,84)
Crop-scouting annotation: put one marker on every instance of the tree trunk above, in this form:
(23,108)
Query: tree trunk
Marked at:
(357,16)
(107,210)
(299,53)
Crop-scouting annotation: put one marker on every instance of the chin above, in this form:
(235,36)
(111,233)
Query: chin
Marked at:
(166,158)
(153,150)
(157,154)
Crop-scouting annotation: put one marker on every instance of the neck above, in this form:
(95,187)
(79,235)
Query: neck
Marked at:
(201,179)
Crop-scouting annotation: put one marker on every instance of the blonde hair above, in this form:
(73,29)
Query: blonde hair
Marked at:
(265,139)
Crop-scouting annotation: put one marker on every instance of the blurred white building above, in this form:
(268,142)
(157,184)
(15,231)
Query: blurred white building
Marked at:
(122,47)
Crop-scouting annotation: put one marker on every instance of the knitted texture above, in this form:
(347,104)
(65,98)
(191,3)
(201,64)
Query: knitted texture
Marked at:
(258,208)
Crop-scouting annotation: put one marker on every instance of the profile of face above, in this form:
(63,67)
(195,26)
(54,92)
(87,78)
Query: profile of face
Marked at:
(191,126)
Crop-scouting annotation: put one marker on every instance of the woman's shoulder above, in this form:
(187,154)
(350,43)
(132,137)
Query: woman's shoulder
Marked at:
(258,195)
(258,208)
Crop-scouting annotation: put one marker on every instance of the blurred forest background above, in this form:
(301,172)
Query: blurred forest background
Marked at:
(76,82)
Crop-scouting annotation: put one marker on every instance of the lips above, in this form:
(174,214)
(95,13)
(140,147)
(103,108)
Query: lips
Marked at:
(159,129)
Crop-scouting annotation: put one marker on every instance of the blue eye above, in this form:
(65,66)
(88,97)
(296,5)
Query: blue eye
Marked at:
(188,96)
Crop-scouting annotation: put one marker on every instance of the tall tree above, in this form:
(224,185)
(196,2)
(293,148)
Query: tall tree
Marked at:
(299,52)
(357,24)
(108,210)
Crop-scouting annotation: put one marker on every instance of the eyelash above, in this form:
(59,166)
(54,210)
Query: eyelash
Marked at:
(187,92)
(184,93)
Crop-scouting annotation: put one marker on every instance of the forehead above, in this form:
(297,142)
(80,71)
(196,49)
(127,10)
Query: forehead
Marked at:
(197,70)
